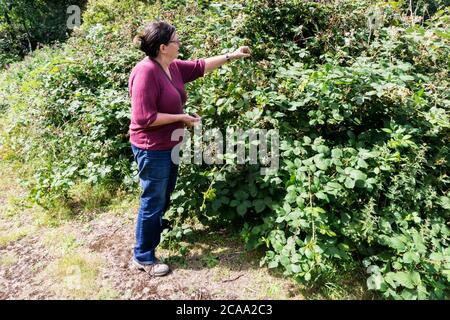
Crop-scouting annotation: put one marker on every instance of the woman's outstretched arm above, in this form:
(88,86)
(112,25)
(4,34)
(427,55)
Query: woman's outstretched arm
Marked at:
(212,63)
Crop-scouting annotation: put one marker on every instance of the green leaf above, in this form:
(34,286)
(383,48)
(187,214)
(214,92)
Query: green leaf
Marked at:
(307,276)
(437,256)
(406,77)
(296,268)
(445,202)
(358,175)
(220,101)
(336,153)
(322,149)
(415,277)
(334,185)
(446,273)
(268,201)
(362,163)
(389,278)
(349,183)
(287,208)
(405,279)
(259,205)
(285,261)
(234,203)
(418,241)
(407,295)
(396,243)
(321,195)
(410,257)
(242,209)
(322,164)
(291,197)
(241,195)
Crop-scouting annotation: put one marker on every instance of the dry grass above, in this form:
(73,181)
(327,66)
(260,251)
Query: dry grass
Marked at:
(8,259)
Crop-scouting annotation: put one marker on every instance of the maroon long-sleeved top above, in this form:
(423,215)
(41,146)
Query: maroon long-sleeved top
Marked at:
(152,91)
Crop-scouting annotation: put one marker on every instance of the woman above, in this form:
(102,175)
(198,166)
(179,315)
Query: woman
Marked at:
(157,94)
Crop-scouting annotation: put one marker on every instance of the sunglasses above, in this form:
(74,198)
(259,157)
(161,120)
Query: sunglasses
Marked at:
(175,41)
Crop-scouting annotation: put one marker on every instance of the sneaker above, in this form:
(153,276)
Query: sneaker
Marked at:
(156,269)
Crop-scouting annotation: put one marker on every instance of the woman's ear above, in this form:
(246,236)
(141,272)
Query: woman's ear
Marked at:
(162,48)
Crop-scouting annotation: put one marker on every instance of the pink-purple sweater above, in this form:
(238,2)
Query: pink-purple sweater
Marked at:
(152,91)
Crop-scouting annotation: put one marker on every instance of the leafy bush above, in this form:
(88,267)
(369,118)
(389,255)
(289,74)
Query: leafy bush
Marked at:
(361,102)
(28,24)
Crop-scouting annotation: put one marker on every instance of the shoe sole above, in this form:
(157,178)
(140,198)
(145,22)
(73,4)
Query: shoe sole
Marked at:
(135,265)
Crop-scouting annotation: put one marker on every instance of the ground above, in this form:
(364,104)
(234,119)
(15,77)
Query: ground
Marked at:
(87,257)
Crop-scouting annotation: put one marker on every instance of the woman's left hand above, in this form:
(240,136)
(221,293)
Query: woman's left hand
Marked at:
(241,52)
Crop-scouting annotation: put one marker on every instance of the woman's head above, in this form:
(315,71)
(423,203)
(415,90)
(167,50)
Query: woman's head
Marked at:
(159,38)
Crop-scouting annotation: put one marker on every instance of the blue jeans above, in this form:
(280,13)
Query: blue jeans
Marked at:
(157,175)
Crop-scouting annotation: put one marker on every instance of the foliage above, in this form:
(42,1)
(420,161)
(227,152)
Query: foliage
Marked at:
(28,24)
(361,102)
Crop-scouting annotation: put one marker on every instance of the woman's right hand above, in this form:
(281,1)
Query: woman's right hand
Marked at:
(190,120)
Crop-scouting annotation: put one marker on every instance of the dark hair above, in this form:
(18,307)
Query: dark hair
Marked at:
(154,34)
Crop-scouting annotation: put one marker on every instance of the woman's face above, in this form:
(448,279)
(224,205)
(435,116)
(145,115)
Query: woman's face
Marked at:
(173,46)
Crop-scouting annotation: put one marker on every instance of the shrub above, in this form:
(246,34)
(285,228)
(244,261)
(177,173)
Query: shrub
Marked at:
(362,107)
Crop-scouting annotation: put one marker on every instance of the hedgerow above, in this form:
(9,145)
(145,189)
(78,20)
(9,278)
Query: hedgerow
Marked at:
(357,90)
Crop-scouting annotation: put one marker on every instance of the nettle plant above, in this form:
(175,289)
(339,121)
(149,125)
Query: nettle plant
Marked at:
(362,109)
(364,170)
